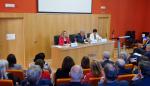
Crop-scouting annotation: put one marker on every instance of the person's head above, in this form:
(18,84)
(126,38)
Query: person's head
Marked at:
(34,74)
(85,62)
(82,33)
(106,55)
(11,60)
(76,73)
(120,63)
(135,58)
(40,62)
(145,67)
(124,56)
(94,31)
(3,67)
(96,68)
(111,72)
(67,63)
(147,47)
(139,51)
(64,34)
(39,56)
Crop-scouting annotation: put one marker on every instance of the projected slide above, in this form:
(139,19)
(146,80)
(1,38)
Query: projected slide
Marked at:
(65,6)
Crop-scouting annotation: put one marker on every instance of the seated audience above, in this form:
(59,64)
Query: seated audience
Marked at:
(134,59)
(110,77)
(81,38)
(124,56)
(42,56)
(33,77)
(147,55)
(106,58)
(95,70)
(45,74)
(147,48)
(64,38)
(95,36)
(5,75)
(145,70)
(121,69)
(63,72)
(85,62)
(12,62)
(76,74)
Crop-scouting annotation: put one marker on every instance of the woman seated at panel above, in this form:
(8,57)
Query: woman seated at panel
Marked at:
(64,38)
(12,62)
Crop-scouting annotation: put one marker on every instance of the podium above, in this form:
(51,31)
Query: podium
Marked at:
(118,42)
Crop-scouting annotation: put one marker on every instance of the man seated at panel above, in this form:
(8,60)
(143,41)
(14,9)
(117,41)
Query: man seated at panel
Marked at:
(64,38)
(94,37)
(81,38)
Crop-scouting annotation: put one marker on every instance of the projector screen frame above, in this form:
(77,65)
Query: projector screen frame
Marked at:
(63,12)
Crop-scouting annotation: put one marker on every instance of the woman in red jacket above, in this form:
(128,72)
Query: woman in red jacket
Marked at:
(64,38)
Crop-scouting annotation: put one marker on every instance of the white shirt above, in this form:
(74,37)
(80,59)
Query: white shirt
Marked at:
(92,38)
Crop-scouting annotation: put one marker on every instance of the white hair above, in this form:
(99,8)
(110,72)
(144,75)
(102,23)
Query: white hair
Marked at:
(106,55)
(120,62)
(76,72)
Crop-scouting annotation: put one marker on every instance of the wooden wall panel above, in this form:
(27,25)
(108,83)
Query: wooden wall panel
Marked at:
(39,29)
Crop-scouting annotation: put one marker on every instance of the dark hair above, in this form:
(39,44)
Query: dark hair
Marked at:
(111,72)
(39,56)
(94,30)
(39,62)
(67,63)
(11,60)
(85,62)
(144,66)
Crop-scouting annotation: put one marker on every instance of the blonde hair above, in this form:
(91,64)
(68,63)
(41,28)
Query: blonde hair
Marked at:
(96,68)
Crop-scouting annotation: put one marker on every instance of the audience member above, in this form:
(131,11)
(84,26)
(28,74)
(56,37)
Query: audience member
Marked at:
(147,48)
(64,38)
(147,55)
(145,70)
(81,38)
(12,62)
(66,66)
(110,77)
(120,63)
(76,74)
(85,62)
(124,55)
(95,70)
(42,56)
(45,74)
(4,74)
(106,58)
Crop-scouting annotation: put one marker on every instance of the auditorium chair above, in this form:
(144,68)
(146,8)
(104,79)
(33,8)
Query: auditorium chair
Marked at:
(94,81)
(85,71)
(72,37)
(17,73)
(129,66)
(56,40)
(127,77)
(6,83)
(62,81)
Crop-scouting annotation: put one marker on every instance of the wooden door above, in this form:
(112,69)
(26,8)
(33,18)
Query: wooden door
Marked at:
(16,46)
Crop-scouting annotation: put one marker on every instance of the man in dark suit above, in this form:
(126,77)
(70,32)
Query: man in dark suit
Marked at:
(145,70)
(76,74)
(81,38)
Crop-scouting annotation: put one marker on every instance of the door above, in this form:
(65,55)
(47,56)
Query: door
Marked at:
(14,43)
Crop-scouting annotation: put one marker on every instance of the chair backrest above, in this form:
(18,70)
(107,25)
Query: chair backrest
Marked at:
(6,83)
(127,77)
(129,66)
(62,81)
(56,39)
(17,73)
(72,37)
(85,71)
(94,81)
